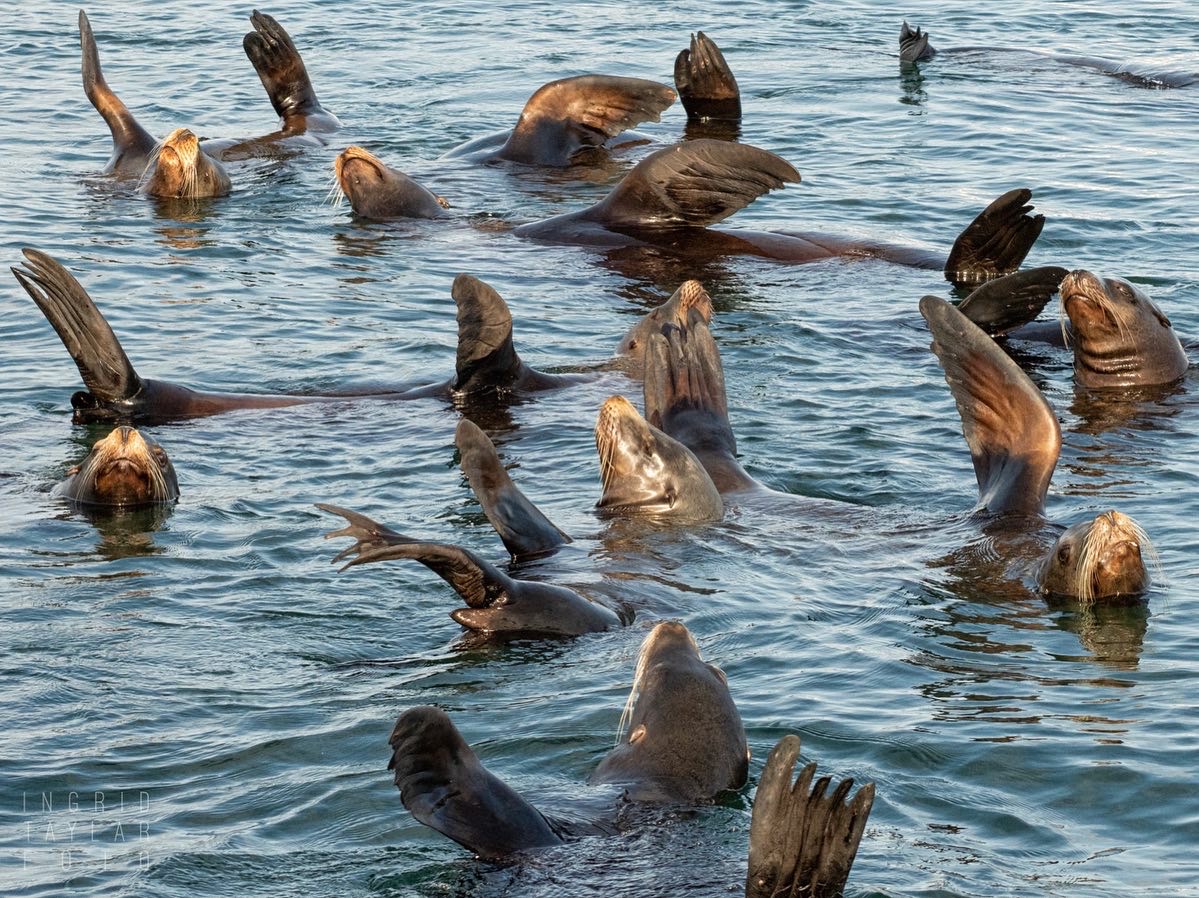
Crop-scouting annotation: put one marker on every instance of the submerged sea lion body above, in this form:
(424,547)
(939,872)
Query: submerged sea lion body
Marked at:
(670,197)
(125,469)
(1014,440)
(487,361)
(1120,337)
(567,116)
(914,47)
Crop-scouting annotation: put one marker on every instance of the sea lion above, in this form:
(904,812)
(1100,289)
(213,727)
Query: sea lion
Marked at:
(1120,337)
(676,310)
(1014,441)
(567,116)
(487,361)
(125,469)
(670,197)
(645,471)
(497,605)
(279,67)
(179,169)
(686,745)
(914,47)
(706,86)
(378,191)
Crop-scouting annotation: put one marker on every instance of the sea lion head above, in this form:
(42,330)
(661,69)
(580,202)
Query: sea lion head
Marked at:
(124,469)
(376,190)
(1121,338)
(676,311)
(645,471)
(1100,560)
(681,736)
(180,169)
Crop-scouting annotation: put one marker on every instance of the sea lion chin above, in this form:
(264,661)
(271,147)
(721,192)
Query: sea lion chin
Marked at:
(1120,337)
(125,469)
(180,169)
(1098,561)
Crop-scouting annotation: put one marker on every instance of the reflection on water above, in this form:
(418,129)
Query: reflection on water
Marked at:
(911,83)
(1135,408)
(1113,634)
(124,533)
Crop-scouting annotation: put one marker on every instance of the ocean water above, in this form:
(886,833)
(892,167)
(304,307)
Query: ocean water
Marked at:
(197,703)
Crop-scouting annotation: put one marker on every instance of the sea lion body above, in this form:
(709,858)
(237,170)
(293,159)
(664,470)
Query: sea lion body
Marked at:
(1015,440)
(1120,337)
(125,469)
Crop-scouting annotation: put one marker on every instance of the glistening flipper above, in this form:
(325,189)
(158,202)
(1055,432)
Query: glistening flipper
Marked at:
(706,85)
(282,72)
(997,241)
(803,838)
(1008,302)
(132,145)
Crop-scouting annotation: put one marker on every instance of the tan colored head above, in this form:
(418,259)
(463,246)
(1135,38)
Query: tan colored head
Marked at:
(1100,560)
(180,169)
(644,471)
(1121,338)
(676,311)
(124,469)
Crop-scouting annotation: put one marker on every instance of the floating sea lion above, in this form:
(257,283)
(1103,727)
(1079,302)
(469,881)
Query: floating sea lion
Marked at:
(280,68)
(567,116)
(487,360)
(376,190)
(1014,441)
(914,47)
(1120,337)
(684,744)
(670,197)
(676,310)
(125,469)
(497,604)
(707,88)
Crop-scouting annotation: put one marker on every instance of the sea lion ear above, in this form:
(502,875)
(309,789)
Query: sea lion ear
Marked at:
(1013,435)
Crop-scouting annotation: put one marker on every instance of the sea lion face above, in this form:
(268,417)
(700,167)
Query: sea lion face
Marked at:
(1121,338)
(676,311)
(1098,561)
(181,170)
(644,471)
(124,469)
(377,191)
(684,739)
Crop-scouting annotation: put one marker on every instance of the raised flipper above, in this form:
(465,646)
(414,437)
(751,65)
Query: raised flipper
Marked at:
(997,241)
(486,355)
(692,184)
(913,45)
(520,524)
(565,116)
(102,363)
(445,786)
(132,145)
(497,603)
(706,85)
(1008,302)
(803,839)
(1013,435)
(282,72)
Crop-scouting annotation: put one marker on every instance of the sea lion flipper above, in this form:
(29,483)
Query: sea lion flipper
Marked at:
(519,523)
(367,533)
(102,363)
(997,241)
(692,184)
(913,45)
(445,786)
(565,116)
(1013,300)
(802,842)
(280,68)
(486,355)
(684,387)
(705,83)
(1013,435)
(132,145)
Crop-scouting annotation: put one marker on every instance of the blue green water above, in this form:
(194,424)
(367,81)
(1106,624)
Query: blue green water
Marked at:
(211,670)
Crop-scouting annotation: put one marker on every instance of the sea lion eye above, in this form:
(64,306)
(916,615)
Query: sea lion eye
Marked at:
(1063,555)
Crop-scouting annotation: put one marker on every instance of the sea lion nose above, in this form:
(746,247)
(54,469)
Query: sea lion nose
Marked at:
(125,432)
